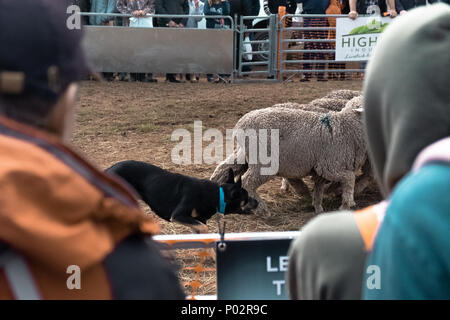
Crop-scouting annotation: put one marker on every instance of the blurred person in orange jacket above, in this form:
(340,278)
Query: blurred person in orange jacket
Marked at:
(67,230)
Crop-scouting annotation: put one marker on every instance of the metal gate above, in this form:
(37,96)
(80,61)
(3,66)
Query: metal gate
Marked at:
(263,64)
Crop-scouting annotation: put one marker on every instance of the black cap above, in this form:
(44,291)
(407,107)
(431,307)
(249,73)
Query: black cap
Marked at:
(39,55)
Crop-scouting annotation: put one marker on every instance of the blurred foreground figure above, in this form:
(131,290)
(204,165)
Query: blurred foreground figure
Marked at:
(67,231)
(400,248)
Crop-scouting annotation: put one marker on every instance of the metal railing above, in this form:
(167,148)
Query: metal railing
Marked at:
(283,52)
(325,50)
(163,16)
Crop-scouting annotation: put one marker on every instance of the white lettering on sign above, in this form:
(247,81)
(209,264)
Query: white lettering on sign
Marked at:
(280,267)
(279,285)
(356,39)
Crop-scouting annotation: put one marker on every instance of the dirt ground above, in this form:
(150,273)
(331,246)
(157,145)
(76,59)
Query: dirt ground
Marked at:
(120,121)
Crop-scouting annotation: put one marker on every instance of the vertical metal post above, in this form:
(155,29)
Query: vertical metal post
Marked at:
(273,44)
(241,45)
(270,55)
(235,39)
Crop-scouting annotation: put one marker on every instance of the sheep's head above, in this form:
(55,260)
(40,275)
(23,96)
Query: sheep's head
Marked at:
(354,104)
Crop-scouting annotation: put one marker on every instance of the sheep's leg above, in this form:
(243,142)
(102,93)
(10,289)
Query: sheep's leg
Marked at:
(348,189)
(317,196)
(362,183)
(347,180)
(300,187)
(365,179)
(284,185)
(251,181)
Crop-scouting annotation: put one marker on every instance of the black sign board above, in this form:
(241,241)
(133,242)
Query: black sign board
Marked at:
(252,269)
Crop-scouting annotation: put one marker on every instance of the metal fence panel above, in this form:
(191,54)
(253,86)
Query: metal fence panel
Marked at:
(317,53)
(159,50)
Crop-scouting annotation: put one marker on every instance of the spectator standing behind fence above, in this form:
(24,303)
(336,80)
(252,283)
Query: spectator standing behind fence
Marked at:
(256,7)
(315,7)
(67,230)
(364,7)
(102,6)
(139,9)
(216,8)
(85,6)
(196,8)
(172,7)
(403,6)
(358,7)
(242,8)
(335,7)
(271,6)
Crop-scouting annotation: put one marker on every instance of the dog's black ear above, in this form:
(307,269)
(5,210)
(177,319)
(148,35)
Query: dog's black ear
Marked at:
(230,176)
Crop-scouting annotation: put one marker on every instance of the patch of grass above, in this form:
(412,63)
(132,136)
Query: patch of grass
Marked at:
(146,127)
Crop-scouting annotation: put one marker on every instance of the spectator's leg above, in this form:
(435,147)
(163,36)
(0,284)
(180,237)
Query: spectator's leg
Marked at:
(327,259)
(149,78)
(210,77)
(332,46)
(108,76)
(321,34)
(342,74)
(171,77)
(307,46)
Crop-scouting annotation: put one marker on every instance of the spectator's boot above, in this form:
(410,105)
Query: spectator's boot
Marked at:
(170,77)
(149,78)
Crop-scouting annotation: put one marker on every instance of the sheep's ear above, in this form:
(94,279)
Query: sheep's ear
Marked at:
(230,176)
(359,110)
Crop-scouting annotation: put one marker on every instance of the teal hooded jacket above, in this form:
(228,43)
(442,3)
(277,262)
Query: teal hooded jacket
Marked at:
(407,109)
(102,6)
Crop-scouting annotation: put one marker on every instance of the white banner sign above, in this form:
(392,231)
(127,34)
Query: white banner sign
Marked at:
(355,39)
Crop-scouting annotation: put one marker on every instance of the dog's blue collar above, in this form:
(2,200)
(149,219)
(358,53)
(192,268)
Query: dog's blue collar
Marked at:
(222,203)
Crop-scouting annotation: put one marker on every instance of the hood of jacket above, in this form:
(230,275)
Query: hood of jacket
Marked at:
(407,91)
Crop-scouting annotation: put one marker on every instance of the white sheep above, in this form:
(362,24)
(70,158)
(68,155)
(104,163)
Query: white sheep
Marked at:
(329,146)
(322,105)
(343,94)
(325,105)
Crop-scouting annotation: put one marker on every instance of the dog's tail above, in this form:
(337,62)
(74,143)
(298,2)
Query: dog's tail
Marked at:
(235,161)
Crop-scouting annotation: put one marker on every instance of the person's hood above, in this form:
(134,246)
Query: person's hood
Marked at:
(407,91)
